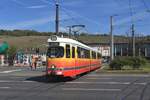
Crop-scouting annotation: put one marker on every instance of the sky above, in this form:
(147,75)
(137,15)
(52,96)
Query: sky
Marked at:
(39,15)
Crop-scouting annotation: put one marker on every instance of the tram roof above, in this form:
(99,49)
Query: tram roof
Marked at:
(69,41)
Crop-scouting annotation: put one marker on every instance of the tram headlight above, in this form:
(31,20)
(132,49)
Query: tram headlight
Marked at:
(53,67)
(61,68)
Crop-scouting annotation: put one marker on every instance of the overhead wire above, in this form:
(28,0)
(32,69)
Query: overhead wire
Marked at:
(119,4)
(131,11)
(68,13)
(65,10)
(145,5)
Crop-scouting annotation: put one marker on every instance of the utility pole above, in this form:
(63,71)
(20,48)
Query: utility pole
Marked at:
(76,29)
(57,18)
(70,30)
(111,39)
(133,41)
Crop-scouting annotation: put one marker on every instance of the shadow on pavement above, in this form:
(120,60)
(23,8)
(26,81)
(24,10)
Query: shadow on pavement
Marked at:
(54,79)
(48,79)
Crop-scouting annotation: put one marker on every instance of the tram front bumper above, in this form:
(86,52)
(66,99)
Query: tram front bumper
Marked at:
(54,72)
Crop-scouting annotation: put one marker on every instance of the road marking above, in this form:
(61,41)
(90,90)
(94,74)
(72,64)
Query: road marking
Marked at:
(141,83)
(27,81)
(124,83)
(4,87)
(112,83)
(85,89)
(10,71)
(99,78)
(7,81)
(120,75)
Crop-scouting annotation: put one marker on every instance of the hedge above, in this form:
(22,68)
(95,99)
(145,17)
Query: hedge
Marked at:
(133,62)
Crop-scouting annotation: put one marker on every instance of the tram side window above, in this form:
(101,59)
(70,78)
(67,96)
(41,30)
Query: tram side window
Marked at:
(80,52)
(73,52)
(93,55)
(83,53)
(87,53)
(98,55)
(67,51)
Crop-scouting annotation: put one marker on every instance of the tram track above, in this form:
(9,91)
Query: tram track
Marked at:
(123,96)
(37,87)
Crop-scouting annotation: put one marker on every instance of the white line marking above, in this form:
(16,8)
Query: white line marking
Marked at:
(119,75)
(140,83)
(7,81)
(99,78)
(84,89)
(10,71)
(124,83)
(4,87)
(113,83)
(3,81)
(27,81)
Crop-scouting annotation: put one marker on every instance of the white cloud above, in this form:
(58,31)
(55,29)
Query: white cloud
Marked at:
(27,24)
(31,23)
(73,3)
(76,15)
(47,2)
(37,7)
(62,29)
(18,2)
(135,17)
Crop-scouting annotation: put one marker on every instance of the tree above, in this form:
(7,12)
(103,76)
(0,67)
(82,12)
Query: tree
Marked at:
(11,52)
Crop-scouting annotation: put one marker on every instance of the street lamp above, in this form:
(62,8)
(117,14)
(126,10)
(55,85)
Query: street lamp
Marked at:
(111,38)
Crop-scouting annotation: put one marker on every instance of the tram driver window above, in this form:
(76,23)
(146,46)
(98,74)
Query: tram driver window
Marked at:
(67,51)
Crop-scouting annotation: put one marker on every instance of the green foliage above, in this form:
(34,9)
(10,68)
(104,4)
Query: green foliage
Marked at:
(133,62)
(11,54)
(11,51)
(137,62)
(3,47)
(27,33)
(117,64)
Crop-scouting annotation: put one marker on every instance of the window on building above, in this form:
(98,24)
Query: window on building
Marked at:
(148,52)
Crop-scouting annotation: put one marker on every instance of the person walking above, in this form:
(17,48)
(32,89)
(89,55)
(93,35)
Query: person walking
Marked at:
(33,62)
(30,62)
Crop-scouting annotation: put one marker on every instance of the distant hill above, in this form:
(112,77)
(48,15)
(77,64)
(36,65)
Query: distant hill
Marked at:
(23,39)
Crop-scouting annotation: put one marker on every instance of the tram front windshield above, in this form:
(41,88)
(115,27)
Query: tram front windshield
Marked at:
(55,52)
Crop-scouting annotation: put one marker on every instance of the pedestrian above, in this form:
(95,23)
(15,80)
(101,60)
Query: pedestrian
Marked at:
(30,62)
(35,62)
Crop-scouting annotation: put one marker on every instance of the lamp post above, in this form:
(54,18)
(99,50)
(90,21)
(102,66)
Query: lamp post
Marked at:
(57,18)
(111,38)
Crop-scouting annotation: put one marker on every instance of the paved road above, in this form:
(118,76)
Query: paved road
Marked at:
(24,84)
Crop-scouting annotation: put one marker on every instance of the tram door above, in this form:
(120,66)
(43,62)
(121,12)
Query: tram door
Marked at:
(70,60)
(73,59)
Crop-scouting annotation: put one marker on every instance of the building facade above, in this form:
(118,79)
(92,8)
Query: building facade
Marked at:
(122,49)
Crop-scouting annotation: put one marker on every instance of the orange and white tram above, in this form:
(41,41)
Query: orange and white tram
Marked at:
(69,58)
